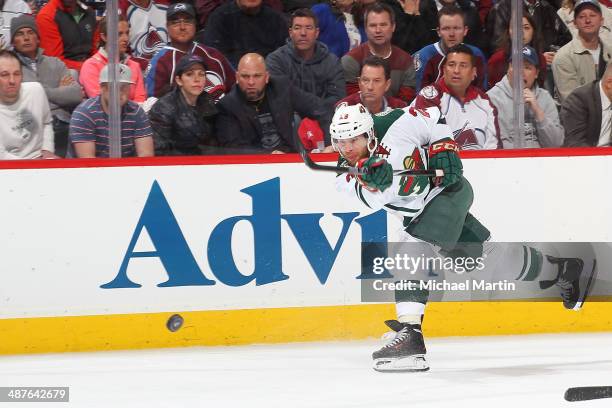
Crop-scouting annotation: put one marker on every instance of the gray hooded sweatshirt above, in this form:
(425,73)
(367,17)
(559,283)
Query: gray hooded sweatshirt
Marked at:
(322,75)
(547,133)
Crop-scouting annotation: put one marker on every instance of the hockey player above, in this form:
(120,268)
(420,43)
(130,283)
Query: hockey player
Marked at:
(435,212)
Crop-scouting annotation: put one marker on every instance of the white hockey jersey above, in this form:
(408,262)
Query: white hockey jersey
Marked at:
(404,136)
(473,121)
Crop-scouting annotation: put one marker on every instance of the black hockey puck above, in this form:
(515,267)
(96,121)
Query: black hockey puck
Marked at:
(175,322)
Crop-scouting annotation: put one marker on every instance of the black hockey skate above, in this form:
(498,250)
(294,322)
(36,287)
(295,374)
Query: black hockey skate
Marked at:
(575,279)
(406,352)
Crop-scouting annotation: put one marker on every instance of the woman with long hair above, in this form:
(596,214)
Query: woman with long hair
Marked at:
(341,24)
(497,65)
(90,71)
(182,120)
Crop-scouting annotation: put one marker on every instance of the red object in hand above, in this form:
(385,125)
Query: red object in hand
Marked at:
(310,133)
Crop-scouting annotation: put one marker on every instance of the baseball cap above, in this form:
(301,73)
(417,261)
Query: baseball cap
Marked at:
(124,77)
(529,55)
(177,8)
(580,4)
(187,62)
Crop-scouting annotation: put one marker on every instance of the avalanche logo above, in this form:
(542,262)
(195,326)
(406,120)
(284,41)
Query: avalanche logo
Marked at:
(149,43)
(467,138)
(215,86)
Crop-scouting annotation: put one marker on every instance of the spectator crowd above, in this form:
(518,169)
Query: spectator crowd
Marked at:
(257,76)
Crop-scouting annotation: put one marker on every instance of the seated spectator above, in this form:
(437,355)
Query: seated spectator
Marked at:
(484,7)
(542,126)
(89,136)
(244,26)
(308,63)
(414,24)
(10,9)
(468,110)
(583,59)
(497,66)
(204,8)
(380,24)
(183,119)
(586,114)
(374,82)
(90,71)
(147,21)
(566,13)
(554,33)
(25,119)
(256,116)
(63,92)
(475,31)
(181,29)
(452,31)
(69,31)
(340,24)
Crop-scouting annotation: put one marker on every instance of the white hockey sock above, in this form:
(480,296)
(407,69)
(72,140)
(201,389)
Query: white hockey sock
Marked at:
(408,310)
(410,319)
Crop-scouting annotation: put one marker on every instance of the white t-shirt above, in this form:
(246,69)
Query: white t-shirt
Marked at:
(605,131)
(11,9)
(26,126)
(353,32)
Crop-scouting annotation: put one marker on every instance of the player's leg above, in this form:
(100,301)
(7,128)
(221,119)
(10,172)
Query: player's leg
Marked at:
(405,347)
(574,276)
(440,222)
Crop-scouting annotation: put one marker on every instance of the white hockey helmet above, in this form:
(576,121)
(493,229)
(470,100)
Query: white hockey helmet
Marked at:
(350,121)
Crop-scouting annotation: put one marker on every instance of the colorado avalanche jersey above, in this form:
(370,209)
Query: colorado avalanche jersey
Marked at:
(148,33)
(473,121)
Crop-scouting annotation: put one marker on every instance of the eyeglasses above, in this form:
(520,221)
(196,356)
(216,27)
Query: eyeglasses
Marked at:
(181,21)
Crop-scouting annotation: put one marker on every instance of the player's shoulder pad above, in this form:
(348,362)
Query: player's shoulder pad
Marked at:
(384,120)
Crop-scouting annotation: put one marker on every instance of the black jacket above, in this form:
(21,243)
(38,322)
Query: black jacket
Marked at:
(554,31)
(237,126)
(412,32)
(180,129)
(581,116)
(235,33)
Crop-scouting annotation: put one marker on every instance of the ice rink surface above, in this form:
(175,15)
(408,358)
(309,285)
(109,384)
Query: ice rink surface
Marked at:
(509,371)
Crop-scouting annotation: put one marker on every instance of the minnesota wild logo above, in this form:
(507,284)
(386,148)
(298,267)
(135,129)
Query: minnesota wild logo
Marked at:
(413,185)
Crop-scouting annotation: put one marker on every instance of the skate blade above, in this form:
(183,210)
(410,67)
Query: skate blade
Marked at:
(406,364)
(587,282)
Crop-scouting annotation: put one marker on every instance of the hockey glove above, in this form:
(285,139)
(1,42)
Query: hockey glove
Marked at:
(444,155)
(378,173)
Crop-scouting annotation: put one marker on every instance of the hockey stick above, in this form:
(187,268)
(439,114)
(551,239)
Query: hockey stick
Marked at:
(588,393)
(359,172)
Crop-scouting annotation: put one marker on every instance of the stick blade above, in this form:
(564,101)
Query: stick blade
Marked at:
(588,393)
